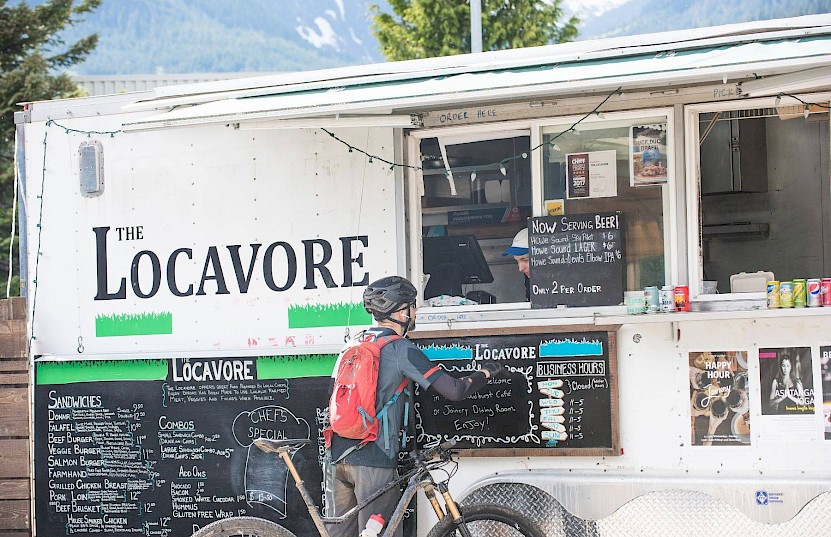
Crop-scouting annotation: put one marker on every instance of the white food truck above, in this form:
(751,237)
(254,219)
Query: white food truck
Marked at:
(194,257)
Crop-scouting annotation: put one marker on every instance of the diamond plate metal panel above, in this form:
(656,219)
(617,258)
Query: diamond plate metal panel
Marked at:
(667,512)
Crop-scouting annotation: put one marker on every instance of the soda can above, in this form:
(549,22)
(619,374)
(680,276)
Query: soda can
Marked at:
(652,299)
(634,301)
(814,297)
(785,294)
(682,298)
(773,294)
(667,299)
(825,291)
(800,293)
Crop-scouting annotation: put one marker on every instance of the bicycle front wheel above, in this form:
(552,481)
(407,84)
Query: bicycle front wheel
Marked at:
(243,526)
(487,520)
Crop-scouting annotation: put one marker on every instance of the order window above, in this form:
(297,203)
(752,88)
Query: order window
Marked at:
(615,166)
(763,203)
(480,189)
(476,196)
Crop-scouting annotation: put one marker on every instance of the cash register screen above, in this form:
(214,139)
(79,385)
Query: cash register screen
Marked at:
(461,250)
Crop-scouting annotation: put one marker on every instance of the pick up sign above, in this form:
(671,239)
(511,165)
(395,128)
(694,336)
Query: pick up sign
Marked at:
(576,260)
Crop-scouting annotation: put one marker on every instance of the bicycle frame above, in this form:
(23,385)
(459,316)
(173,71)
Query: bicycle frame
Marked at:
(418,479)
(414,483)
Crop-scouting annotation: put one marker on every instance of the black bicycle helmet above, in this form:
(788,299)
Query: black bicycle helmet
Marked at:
(388,295)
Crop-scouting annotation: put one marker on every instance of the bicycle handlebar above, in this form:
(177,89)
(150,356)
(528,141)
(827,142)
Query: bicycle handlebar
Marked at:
(429,453)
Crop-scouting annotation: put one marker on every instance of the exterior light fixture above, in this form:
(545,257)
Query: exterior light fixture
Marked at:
(91,168)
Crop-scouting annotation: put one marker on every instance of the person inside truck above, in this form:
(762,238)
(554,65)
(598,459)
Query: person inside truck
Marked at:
(361,469)
(520,253)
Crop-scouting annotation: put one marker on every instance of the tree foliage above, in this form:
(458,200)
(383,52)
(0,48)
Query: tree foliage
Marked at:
(32,56)
(431,28)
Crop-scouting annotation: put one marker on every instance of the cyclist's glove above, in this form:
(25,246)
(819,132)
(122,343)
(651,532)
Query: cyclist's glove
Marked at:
(496,370)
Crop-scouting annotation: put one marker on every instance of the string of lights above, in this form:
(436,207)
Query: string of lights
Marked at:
(372,158)
(502,164)
(40,197)
(550,142)
(14,221)
(804,103)
(69,130)
(39,226)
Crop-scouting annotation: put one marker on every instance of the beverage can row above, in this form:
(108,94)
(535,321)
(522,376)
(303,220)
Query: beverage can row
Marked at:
(667,299)
(799,293)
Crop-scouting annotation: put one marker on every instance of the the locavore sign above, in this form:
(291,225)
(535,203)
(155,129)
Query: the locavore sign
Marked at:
(278,263)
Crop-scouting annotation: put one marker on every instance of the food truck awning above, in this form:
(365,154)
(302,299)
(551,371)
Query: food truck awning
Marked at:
(386,98)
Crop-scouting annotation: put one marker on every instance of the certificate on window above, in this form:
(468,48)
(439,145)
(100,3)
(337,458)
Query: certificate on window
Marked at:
(591,175)
(648,154)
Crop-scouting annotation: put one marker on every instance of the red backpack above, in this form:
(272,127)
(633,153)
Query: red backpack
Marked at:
(352,404)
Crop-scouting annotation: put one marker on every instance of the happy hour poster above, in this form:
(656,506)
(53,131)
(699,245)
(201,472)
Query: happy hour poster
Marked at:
(719,401)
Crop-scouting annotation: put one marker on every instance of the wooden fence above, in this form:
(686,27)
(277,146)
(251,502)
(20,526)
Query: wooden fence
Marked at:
(15,520)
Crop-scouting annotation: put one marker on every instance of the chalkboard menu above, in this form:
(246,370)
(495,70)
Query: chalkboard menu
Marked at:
(576,260)
(163,447)
(559,397)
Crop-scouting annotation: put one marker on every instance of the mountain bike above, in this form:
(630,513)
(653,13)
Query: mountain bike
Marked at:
(478,520)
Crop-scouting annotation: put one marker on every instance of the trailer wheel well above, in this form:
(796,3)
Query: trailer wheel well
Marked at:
(538,506)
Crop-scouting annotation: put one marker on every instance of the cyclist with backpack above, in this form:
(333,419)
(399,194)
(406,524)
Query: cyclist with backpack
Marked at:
(368,416)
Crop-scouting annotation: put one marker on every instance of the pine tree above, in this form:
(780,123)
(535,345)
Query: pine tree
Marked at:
(431,28)
(32,54)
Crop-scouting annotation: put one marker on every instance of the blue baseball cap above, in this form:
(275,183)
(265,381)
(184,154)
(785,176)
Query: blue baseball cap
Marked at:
(520,244)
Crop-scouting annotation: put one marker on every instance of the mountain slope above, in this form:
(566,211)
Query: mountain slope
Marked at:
(202,36)
(187,36)
(640,17)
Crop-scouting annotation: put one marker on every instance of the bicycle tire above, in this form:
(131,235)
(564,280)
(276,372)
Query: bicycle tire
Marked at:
(488,520)
(243,526)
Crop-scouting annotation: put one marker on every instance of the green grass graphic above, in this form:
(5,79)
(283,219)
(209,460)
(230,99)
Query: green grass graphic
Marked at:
(99,370)
(268,367)
(134,324)
(301,365)
(322,315)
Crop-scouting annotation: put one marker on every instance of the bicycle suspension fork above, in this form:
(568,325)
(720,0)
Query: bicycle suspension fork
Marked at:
(450,504)
(430,492)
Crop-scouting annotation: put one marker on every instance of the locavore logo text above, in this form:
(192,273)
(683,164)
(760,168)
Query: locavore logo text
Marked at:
(278,258)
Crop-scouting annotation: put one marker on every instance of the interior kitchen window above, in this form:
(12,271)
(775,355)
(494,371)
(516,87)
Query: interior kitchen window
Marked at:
(634,167)
(477,195)
(764,197)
